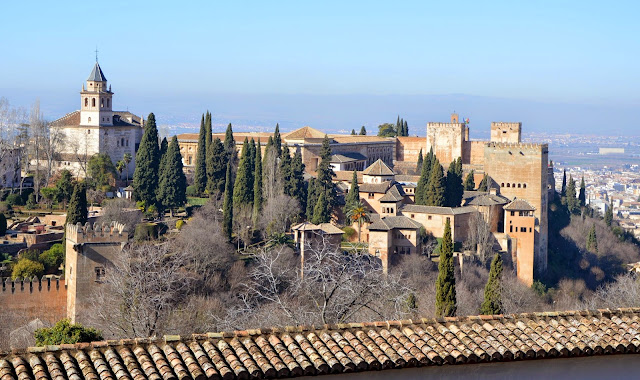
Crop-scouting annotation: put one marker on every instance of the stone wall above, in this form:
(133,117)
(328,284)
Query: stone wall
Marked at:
(408,148)
(506,132)
(446,140)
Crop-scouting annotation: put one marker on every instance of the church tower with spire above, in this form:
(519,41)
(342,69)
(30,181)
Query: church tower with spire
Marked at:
(96,100)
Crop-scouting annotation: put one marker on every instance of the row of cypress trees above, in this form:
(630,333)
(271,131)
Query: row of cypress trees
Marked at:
(321,192)
(574,202)
(434,189)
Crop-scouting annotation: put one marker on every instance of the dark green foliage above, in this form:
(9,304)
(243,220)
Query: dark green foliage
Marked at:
(31,202)
(208,132)
(353,132)
(257,185)
(436,187)
(64,186)
(312,197)
(3,224)
(277,140)
(321,211)
(227,207)
(406,128)
(492,304)
(64,332)
(363,131)
(454,187)
(420,161)
(298,190)
(53,257)
(200,175)
(423,182)
(469,182)
(230,146)
(608,215)
(326,174)
(216,167)
(353,196)
(387,130)
(446,281)
(563,190)
(243,186)
(14,200)
(268,147)
(484,184)
(145,231)
(77,210)
(101,170)
(592,240)
(570,197)
(164,145)
(26,268)
(582,196)
(285,171)
(173,183)
(145,177)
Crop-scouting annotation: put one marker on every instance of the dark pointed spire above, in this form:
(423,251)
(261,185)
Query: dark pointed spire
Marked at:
(96,74)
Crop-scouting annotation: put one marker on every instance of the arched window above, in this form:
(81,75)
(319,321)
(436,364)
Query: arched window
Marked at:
(86,102)
(93,102)
(89,120)
(524,185)
(519,186)
(108,103)
(101,102)
(508,185)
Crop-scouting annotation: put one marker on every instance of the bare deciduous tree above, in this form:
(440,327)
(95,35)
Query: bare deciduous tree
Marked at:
(121,210)
(278,214)
(480,236)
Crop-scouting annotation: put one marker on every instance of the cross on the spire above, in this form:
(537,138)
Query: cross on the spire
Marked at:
(96,54)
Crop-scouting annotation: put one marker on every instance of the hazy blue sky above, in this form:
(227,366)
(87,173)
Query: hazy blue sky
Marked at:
(578,53)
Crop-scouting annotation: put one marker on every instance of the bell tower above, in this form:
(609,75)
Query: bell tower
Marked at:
(96,100)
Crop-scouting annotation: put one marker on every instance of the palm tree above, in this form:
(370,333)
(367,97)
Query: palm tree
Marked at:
(120,165)
(127,159)
(358,214)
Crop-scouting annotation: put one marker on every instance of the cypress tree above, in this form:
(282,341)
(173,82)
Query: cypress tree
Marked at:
(242,189)
(454,187)
(592,240)
(436,188)
(200,175)
(492,304)
(353,132)
(208,132)
(257,185)
(252,165)
(77,209)
(446,282)
(145,176)
(172,192)
(563,190)
(423,182)
(406,128)
(398,127)
(297,179)
(3,224)
(321,213)
(608,215)
(484,184)
(353,196)
(227,207)
(325,173)
(312,197)
(286,171)
(277,140)
(469,182)
(570,196)
(164,145)
(268,147)
(230,146)
(420,160)
(363,131)
(216,167)
(582,197)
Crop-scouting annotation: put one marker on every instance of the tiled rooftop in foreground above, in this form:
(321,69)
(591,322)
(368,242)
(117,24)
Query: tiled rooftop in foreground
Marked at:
(332,349)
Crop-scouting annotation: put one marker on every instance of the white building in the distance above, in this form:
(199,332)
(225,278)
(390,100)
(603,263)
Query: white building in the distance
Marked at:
(96,128)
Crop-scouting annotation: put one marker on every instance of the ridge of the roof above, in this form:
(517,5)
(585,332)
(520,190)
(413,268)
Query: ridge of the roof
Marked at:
(348,347)
(519,204)
(378,168)
(96,74)
(305,132)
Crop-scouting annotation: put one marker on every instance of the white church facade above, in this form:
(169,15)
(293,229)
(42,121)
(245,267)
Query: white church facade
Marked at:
(96,128)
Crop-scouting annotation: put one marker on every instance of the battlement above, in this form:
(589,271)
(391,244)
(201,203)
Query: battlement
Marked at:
(35,284)
(432,124)
(506,132)
(97,233)
(528,147)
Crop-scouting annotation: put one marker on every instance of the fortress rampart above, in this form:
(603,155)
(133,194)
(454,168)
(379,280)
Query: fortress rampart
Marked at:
(96,233)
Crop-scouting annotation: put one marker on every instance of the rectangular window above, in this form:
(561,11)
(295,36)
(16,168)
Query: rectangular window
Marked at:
(429,217)
(510,228)
(99,274)
(513,213)
(370,195)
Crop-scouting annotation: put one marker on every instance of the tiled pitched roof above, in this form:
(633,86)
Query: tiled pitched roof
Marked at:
(327,228)
(347,157)
(392,222)
(486,199)
(378,168)
(72,118)
(346,175)
(437,209)
(316,350)
(394,194)
(375,187)
(519,205)
(304,133)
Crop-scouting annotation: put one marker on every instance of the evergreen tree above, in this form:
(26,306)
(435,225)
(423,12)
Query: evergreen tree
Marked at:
(446,281)
(145,177)
(227,207)
(286,171)
(398,127)
(77,210)
(582,197)
(277,140)
(592,240)
(420,161)
(436,188)
(172,192)
(208,130)
(257,185)
(252,164)
(312,197)
(200,175)
(363,131)
(608,215)
(406,128)
(297,181)
(216,167)
(321,213)
(326,174)
(3,224)
(492,304)
(563,190)
(230,146)
(570,196)
(64,186)
(484,184)
(423,182)
(469,182)
(164,145)
(242,188)
(353,196)
(268,147)
(353,132)
(454,187)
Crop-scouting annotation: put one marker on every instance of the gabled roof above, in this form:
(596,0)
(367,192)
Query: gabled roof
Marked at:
(519,205)
(72,119)
(325,349)
(378,168)
(97,74)
(327,228)
(394,194)
(347,157)
(393,222)
(304,133)
(485,199)
(375,187)
(437,210)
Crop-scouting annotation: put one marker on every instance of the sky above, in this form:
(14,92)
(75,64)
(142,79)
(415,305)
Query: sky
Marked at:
(556,60)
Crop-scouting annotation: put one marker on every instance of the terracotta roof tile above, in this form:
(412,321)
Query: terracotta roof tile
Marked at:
(378,168)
